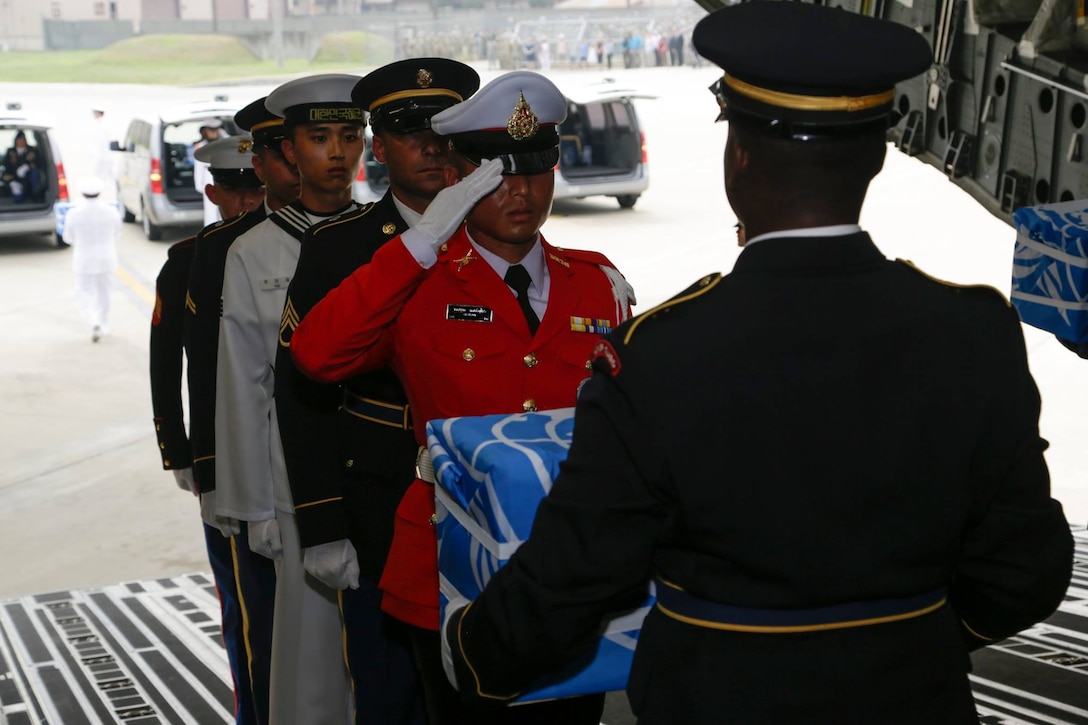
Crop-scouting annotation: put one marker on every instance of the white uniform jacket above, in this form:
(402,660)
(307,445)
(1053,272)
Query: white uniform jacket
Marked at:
(93,228)
(251,477)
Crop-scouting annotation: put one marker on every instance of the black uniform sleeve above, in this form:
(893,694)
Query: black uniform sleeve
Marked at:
(307,414)
(205,291)
(1017,552)
(166,360)
(589,553)
(1081,348)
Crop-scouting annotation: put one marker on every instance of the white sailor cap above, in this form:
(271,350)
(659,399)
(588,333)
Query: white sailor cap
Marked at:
(90,186)
(230,160)
(324,98)
(514,117)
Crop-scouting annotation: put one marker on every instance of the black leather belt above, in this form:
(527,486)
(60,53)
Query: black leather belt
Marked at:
(378,411)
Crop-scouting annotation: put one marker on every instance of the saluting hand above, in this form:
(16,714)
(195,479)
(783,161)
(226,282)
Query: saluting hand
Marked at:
(450,207)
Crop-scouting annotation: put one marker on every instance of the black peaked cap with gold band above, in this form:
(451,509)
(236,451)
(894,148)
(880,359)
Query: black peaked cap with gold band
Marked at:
(515,118)
(401,97)
(230,161)
(322,98)
(804,66)
(265,127)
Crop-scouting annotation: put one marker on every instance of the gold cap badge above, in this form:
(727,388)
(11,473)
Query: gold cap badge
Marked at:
(424,78)
(244,145)
(523,122)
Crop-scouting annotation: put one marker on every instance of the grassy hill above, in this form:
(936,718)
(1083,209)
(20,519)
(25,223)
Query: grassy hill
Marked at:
(184,59)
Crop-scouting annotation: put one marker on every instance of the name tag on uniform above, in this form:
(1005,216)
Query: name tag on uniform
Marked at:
(274,283)
(468,313)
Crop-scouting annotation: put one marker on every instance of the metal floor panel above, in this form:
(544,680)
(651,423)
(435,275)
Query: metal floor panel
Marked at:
(151,652)
(147,652)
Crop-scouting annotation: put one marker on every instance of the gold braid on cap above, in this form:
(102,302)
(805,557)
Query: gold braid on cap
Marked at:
(415,93)
(266,124)
(523,122)
(809,103)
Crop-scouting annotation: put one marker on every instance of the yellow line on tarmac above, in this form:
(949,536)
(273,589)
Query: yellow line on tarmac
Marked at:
(144,293)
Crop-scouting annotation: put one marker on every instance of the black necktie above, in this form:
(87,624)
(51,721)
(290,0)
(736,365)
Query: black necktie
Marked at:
(518,278)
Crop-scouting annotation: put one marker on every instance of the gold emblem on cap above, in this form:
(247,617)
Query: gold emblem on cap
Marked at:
(424,78)
(389,228)
(244,145)
(523,122)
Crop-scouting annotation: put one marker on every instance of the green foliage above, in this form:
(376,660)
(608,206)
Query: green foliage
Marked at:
(215,50)
(355,48)
(183,59)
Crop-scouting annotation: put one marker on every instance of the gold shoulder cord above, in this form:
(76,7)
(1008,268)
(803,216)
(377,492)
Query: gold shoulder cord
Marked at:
(705,285)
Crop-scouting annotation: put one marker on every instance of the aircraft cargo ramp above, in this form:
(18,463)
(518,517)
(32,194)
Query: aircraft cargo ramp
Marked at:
(150,652)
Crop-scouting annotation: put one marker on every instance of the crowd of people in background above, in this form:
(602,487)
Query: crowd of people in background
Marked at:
(588,47)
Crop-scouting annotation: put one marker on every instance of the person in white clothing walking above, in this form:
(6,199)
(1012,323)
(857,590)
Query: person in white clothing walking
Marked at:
(92,229)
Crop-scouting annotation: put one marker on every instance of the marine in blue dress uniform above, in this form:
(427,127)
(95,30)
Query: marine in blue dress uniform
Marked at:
(237,190)
(829,462)
(261,164)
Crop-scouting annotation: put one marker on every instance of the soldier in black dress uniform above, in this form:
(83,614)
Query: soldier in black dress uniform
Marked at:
(349,449)
(265,166)
(829,462)
(235,189)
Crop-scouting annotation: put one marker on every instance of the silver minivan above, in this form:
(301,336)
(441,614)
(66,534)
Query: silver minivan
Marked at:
(32,179)
(602,149)
(155,170)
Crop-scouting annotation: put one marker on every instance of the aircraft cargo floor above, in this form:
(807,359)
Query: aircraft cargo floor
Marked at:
(150,652)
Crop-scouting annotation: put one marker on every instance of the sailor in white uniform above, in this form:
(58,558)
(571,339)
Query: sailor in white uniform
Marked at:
(324,137)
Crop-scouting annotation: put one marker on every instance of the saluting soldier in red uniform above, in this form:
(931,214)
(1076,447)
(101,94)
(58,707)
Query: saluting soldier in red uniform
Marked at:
(480,318)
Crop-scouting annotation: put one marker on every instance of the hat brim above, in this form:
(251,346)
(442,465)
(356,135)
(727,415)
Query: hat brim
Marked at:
(529,162)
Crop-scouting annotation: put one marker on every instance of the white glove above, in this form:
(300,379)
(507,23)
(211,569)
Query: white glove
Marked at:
(227,526)
(22,170)
(450,207)
(264,539)
(334,564)
(452,607)
(183,477)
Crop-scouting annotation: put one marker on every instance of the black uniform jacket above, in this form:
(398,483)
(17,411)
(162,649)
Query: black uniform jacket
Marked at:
(167,329)
(820,427)
(347,472)
(202,340)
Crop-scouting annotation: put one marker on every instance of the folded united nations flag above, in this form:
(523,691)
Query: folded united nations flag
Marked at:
(491,473)
(1050,268)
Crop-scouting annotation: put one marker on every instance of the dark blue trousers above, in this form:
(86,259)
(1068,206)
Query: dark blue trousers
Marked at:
(256,577)
(246,591)
(378,650)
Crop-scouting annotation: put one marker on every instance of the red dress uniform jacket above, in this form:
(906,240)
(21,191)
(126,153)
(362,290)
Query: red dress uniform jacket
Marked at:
(457,339)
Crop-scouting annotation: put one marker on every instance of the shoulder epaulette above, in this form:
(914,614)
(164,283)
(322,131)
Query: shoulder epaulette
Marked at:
(181,246)
(357,213)
(222,224)
(580,255)
(954,285)
(698,289)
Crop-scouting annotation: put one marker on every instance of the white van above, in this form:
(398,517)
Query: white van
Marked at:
(32,179)
(602,149)
(155,171)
